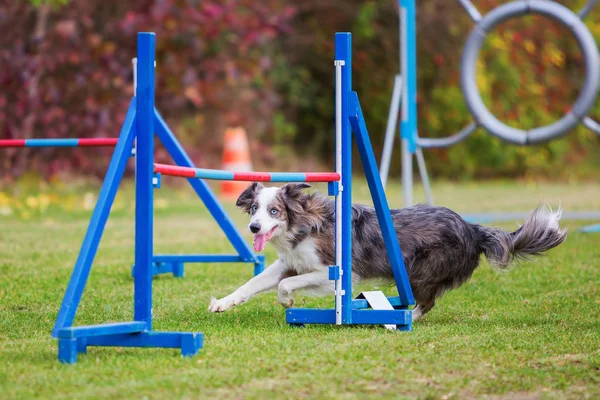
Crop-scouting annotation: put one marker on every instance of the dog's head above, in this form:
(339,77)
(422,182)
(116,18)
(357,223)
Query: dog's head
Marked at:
(271,209)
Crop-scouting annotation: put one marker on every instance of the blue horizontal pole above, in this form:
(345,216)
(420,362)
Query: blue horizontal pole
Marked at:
(200,258)
(102,330)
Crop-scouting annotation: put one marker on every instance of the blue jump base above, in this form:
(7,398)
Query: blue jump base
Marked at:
(302,316)
(75,340)
(400,316)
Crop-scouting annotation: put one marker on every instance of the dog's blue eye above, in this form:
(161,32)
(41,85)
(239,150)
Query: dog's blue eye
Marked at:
(254,208)
(273,211)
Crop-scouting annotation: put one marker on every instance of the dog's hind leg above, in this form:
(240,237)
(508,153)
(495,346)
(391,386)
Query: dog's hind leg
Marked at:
(265,281)
(421,309)
(315,282)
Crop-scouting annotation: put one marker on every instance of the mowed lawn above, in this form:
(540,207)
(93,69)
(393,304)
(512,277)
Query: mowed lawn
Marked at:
(531,333)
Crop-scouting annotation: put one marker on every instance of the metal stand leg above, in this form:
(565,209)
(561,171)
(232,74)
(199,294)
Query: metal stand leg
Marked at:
(390,131)
(424,175)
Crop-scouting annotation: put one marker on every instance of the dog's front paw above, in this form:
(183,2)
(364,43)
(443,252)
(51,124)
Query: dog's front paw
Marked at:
(224,304)
(284,295)
(286,301)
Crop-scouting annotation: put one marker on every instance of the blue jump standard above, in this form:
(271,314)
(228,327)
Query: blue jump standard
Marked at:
(139,123)
(354,312)
(142,122)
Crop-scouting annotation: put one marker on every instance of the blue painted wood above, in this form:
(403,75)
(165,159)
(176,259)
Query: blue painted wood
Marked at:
(333,188)
(95,229)
(380,202)
(67,351)
(297,316)
(190,344)
(158,268)
(407,327)
(156,181)
(136,333)
(259,266)
(174,148)
(362,303)
(178,269)
(82,345)
(381,317)
(171,340)
(334,273)
(408,128)
(343,51)
(144,192)
(103,329)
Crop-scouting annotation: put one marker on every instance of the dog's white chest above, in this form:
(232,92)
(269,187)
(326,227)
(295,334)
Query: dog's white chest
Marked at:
(303,258)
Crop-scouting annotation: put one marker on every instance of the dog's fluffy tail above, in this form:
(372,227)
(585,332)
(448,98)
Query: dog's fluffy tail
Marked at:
(540,232)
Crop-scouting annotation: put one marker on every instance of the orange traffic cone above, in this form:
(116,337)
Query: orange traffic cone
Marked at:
(236,157)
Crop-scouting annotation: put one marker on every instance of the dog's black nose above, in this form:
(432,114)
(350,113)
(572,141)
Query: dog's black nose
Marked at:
(254,227)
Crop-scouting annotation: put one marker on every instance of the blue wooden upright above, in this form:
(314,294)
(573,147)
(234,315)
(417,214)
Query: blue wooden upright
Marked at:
(353,125)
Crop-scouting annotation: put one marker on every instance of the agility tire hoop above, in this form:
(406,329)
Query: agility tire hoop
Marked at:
(587,95)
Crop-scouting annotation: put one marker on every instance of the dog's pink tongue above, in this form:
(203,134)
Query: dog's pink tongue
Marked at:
(259,242)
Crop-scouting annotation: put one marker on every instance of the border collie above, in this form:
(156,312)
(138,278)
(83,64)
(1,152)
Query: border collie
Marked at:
(440,249)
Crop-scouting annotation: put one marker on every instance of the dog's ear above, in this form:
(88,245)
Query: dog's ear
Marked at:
(294,200)
(246,199)
(294,190)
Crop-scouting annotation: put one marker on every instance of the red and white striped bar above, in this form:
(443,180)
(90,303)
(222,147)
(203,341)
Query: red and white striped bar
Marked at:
(83,142)
(221,175)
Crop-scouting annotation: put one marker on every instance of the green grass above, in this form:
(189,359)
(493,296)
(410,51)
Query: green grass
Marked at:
(531,333)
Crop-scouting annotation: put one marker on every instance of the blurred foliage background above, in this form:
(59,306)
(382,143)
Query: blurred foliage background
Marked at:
(65,71)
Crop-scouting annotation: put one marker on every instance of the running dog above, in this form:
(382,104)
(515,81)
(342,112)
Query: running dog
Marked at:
(440,249)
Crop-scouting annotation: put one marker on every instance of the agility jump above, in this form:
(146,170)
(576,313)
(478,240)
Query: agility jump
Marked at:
(220,175)
(141,122)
